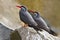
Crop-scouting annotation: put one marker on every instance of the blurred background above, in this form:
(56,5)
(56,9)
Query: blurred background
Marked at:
(49,9)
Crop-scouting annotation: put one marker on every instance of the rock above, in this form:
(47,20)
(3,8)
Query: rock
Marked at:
(15,35)
(4,33)
(30,34)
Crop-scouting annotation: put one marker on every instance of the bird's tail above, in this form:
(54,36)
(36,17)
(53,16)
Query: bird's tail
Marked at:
(53,33)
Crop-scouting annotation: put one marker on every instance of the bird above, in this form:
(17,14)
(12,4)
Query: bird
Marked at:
(41,22)
(26,17)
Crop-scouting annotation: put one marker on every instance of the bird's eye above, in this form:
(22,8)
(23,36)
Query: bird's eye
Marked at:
(23,8)
(35,15)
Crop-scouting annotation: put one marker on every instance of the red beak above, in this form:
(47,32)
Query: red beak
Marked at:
(31,11)
(19,6)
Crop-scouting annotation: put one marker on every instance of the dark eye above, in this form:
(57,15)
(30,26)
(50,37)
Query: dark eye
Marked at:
(35,15)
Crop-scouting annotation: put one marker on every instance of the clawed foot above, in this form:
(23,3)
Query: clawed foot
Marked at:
(25,25)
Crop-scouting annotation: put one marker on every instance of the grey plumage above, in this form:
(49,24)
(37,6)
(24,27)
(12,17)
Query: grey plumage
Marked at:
(27,18)
(34,20)
(41,23)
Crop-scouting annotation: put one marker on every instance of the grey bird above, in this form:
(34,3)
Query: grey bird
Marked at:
(26,17)
(42,23)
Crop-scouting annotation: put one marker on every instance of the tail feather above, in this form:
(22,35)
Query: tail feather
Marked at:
(53,33)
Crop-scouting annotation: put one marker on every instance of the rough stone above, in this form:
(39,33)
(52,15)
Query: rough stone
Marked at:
(30,34)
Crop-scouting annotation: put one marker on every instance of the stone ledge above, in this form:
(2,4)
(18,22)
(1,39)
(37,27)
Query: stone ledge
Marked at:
(30,34)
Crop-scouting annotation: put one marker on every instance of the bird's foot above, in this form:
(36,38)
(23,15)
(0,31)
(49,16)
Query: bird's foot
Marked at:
(25,25)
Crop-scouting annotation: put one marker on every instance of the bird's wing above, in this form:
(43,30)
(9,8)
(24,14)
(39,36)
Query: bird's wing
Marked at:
(28,18)
(41,23)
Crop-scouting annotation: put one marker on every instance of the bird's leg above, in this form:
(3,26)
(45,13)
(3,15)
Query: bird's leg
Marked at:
(25,25)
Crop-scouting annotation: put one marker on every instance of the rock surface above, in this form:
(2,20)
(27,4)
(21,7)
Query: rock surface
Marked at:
(30,34)
(4,33)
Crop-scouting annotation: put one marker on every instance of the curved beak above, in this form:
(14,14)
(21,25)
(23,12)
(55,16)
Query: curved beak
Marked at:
(19,6)
(31,11)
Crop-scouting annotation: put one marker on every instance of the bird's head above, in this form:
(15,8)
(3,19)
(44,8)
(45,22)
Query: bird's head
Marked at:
(35,13)
(23,8)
